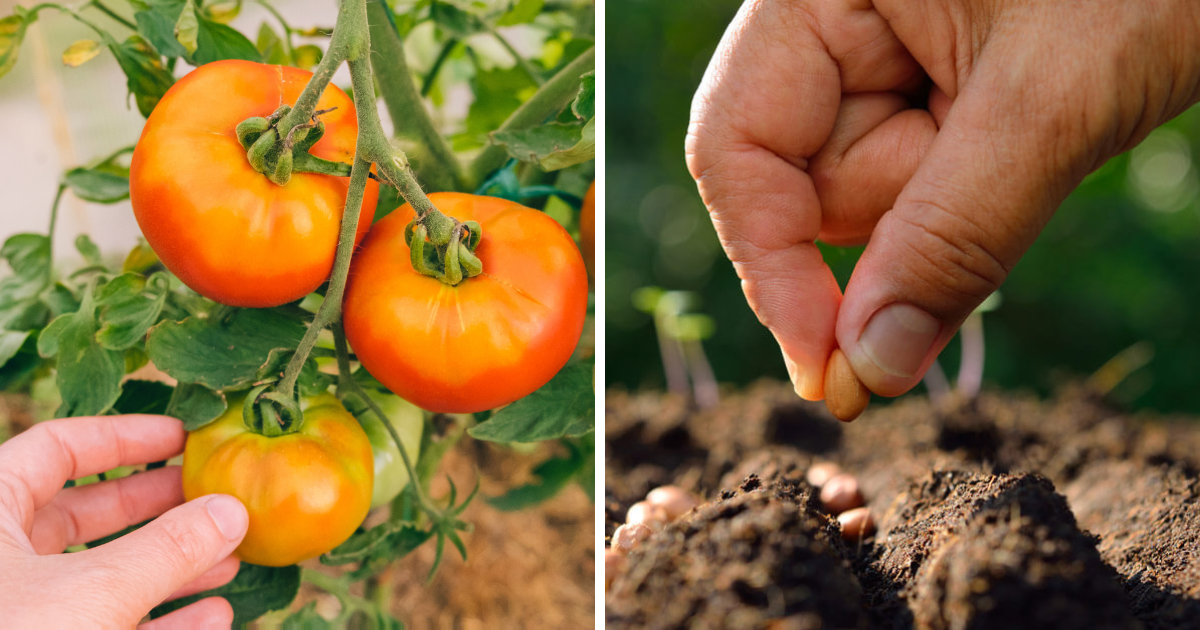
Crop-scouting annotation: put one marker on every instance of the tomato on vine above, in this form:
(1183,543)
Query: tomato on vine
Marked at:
(306,491)
(409,422)
(489,339)
(226,230)
(587,228)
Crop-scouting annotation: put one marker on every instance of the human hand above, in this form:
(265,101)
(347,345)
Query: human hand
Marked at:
(803,129)
(184,551)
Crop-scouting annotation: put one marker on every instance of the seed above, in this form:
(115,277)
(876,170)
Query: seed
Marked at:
(629,536)
(841,493)
(821,472)
(845,395)
(614,561)
(856,524)
(648,514)
(673,500)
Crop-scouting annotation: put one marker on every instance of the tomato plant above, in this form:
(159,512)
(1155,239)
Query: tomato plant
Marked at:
(222,228)
(317,479)
(253,180)
(485,342)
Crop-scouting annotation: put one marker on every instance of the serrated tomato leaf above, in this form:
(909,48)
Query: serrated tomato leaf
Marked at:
(130,304)
(563,407)
(145,75)
(89,375)
(220,355)
(98,186)
(584,106)
(552,146)
(255,591)
(196,405)
(376,547)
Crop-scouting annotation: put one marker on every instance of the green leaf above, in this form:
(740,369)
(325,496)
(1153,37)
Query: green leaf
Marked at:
(89,375)
(306,619)
(564,406)
(29,257)
(378,546)
(145,75)
(221,355)
(12,33)
(157,25)
(80,52)
(22,367)
(138,396)
(522,11)
(88,249)
(10,343)
(455,21)
(216,42)
(552,146)
(223,12)
(255,591)
(98,186)
(130,304)
(307,56)
(196,405)
(584,105)
(554,475)
(270,46)
(140,259)
(498,93)
(187,27)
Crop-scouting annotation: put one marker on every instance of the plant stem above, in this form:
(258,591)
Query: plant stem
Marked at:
(347,381)
(431,76)
(556,94)
(54,220)
(349,41)
(112,14)
(521,61)
(331,307)
(339,588)
(936,383)
(404,104)
(970,372)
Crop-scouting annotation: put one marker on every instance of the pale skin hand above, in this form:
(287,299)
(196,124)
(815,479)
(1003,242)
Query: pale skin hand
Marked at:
(803,128)
(182,552)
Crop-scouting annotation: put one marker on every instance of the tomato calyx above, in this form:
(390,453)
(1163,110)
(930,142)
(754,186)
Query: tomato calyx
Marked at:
(445,254)
(271,413)
(278,157)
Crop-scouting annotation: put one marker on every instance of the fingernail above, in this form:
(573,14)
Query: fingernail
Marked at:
(229,515)
(897,339)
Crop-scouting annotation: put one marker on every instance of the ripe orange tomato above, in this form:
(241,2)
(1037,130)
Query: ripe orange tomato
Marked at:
(481,344)
(224,229)
(306,492)
(587,228)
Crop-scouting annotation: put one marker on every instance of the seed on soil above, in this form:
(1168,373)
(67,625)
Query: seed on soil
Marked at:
(629,536)
(856,524)
(614,561)
(648,514)
(675,501)
(841,493)
(845,395)
(821,472)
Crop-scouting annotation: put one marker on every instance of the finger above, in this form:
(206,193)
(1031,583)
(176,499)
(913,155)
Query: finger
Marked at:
(85,513)
(155,561)
(35,464)
(219,575)
(874,149)
(210,612)
(987,186)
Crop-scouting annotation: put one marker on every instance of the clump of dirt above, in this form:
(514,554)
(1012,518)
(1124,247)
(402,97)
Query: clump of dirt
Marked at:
(758,555)
(1000,512)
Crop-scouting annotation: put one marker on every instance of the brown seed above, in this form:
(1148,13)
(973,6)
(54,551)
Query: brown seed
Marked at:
(856,524)
(841,493)
(614,561)
(845,395)
(821,472)
(648,514)
(629,536)
(675,501)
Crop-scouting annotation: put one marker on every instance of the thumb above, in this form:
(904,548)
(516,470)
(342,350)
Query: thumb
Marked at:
(990,181)
(153,562)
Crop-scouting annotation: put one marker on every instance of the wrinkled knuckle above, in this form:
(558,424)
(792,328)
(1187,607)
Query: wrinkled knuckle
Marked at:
(188,546)
(952,256)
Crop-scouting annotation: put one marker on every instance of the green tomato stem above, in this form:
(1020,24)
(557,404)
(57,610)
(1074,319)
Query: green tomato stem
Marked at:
(431,76)
(112,14)
(556,94)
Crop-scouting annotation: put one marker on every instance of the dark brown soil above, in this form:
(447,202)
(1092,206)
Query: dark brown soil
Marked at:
(1002,512)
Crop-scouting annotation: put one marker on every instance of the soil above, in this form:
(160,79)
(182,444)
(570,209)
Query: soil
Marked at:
(999,512)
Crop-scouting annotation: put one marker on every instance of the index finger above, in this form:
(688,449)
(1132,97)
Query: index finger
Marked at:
(768,101)
(35,464)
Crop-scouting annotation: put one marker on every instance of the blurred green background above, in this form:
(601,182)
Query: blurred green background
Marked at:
(1119,263)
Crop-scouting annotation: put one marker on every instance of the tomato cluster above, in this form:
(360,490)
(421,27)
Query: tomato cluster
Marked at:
(233,236)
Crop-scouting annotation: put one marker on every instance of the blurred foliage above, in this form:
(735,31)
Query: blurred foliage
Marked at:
(1118,264)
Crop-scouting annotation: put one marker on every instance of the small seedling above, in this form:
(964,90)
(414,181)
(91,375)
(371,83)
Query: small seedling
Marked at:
(970,369)
(680,337)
